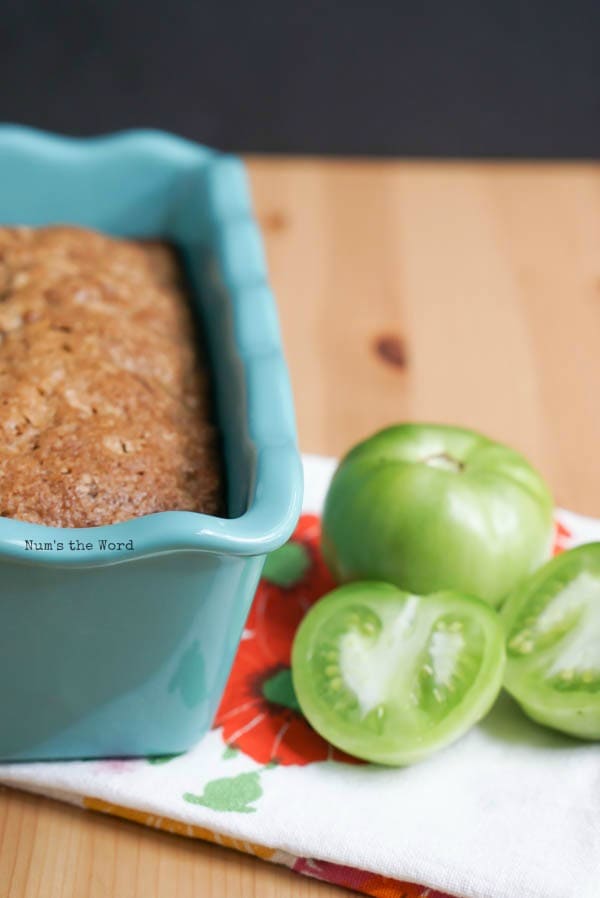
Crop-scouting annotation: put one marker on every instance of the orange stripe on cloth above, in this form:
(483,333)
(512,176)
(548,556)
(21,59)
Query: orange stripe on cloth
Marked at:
(383,887)
(167,824)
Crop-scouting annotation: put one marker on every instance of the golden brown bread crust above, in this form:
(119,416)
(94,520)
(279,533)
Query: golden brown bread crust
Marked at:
(105,410)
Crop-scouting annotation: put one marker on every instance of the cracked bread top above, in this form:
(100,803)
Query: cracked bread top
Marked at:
(105,400)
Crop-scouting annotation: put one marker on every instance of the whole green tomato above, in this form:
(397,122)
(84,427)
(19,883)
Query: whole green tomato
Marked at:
(431,507)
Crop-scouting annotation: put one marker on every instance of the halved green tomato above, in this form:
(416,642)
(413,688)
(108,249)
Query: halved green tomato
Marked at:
(553,643)
(391,677)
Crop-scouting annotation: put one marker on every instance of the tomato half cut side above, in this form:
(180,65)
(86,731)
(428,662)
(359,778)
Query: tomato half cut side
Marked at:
(391,677)
(553,643)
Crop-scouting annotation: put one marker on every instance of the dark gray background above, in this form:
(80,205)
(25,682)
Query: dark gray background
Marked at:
(382,78)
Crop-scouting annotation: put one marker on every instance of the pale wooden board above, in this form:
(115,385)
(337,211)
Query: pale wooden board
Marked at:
(489,275)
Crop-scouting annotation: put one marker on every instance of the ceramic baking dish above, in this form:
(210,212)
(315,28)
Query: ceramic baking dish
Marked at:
(107,651)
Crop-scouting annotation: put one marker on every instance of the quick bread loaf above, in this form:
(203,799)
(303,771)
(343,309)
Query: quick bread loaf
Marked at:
(105,401)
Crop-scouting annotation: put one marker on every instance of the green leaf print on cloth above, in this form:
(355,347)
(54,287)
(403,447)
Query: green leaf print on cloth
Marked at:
(230,793)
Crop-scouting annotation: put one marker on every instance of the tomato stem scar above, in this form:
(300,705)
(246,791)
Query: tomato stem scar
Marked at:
(444,461)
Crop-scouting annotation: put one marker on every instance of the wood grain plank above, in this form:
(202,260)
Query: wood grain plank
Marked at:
(52,850)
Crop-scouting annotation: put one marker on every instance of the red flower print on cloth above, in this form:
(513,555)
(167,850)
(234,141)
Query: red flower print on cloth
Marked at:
(562,538)
(259,712)
(369,883)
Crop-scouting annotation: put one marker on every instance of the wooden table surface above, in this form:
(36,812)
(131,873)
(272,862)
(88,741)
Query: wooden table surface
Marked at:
(464,293)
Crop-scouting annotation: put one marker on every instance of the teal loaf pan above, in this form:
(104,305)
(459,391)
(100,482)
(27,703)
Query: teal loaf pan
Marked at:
(119,652)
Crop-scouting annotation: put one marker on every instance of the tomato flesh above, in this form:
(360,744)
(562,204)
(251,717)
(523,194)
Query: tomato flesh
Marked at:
(389,676)
(553,643)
